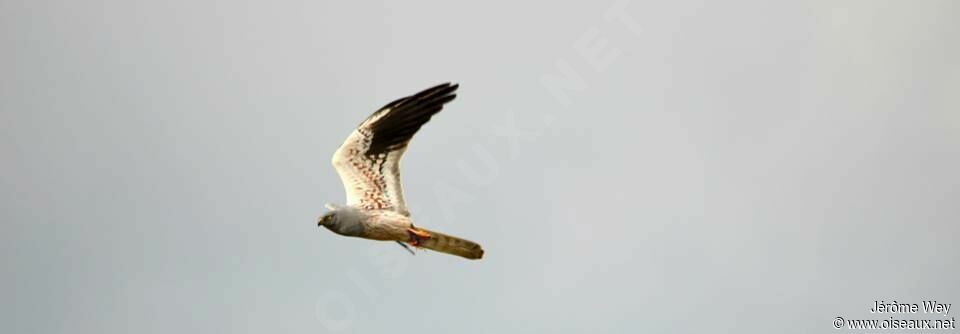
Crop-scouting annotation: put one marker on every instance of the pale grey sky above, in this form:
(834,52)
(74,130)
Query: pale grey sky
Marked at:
(629,166)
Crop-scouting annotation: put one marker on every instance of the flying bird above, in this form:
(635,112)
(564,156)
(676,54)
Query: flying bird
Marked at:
(368,163)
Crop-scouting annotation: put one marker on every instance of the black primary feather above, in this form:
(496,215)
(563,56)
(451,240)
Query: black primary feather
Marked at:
(405,116)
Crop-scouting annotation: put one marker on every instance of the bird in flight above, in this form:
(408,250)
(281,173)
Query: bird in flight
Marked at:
(368,163)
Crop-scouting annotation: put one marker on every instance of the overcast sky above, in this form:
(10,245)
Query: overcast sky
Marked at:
(629,166)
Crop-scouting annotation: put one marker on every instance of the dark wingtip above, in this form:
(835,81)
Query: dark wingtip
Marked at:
(443,89)
(405,117)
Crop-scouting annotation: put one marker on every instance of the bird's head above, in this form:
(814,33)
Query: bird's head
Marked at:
(328,219)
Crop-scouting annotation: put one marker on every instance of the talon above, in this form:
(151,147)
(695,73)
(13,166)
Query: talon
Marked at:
(417,236)
(419,233)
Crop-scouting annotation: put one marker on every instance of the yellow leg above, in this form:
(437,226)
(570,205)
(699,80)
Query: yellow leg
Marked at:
(417,236)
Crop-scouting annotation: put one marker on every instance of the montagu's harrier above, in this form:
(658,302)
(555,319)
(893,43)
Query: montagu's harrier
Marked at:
(368,163)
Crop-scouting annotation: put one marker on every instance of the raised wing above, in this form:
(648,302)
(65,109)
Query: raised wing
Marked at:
(368,162)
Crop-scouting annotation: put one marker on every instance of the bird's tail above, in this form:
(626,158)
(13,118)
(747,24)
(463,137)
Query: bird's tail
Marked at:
(451,245)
